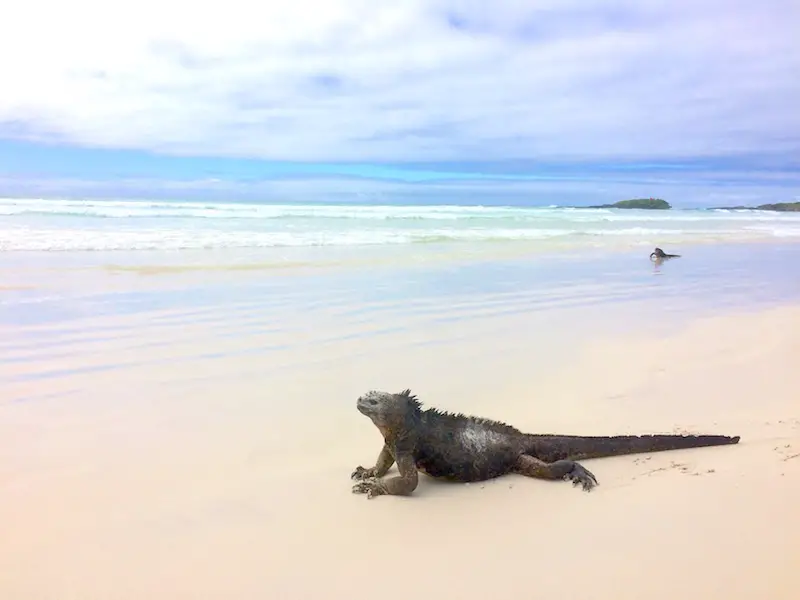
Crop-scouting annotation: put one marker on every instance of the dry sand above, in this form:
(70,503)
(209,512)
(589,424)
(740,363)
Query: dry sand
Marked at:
(170,482)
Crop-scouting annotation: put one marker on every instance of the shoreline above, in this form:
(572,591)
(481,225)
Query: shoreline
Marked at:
(277,261)
(58,292)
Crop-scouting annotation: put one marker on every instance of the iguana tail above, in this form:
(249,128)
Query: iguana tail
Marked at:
(576,447)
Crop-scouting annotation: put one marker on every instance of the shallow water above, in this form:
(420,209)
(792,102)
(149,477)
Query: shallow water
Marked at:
(77,316)
(55,289)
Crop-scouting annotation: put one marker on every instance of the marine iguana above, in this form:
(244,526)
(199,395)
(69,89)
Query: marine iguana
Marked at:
(462,448)
(659,254)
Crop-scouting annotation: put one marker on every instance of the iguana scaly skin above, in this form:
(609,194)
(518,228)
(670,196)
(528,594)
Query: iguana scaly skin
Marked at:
(461,448)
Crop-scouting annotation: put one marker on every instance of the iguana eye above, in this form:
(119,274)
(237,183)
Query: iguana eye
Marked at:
(373,402)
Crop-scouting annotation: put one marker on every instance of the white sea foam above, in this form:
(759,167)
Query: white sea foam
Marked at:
(58,225)
(226,210)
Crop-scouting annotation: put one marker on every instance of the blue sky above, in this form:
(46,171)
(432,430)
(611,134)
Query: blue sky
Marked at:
(536,101)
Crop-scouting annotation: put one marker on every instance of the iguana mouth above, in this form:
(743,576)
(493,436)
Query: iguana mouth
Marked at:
(366,405)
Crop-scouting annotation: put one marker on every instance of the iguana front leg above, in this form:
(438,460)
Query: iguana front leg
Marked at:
(402,485)
(382,466)
(560,469)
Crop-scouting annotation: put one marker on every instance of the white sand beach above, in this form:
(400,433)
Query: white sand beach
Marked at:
(228,477)
(221,225)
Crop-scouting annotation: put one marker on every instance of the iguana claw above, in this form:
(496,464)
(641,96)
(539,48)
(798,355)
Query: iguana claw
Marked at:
(580,475)
(371,487)
(362,473)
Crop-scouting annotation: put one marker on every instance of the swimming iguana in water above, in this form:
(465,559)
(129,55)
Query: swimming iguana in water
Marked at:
(461,448)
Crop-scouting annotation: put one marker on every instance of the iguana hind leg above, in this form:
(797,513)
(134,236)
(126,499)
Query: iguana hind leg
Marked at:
(561,469)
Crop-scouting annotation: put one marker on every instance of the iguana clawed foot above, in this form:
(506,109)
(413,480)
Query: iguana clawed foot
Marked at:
(580,475)
(362,473)
(371,487)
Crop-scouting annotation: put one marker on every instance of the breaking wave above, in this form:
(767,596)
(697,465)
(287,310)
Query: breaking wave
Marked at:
(62,225)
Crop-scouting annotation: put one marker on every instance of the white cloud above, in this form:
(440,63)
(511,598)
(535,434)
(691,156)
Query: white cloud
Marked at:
(378,80)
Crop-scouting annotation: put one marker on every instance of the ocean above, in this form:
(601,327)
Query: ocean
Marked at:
(111,225)
(354,269)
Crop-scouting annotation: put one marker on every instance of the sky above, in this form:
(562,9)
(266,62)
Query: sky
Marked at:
(534,101)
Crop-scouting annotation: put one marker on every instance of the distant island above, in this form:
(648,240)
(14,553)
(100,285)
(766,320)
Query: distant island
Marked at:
(645,203)
(659,204)
(779,207)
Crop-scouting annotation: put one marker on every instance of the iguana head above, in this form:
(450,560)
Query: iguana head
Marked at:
(388,410)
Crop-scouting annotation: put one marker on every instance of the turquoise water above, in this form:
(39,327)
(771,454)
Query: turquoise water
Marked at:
(370,271)
(93,225)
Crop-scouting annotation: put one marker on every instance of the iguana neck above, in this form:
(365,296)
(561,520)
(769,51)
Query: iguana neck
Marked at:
(389,433)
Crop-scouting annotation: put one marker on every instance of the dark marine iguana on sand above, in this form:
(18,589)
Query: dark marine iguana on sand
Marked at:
(659,254)
(462,448)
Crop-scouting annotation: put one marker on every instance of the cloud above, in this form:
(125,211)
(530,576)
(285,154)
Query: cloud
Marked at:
(358,80)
